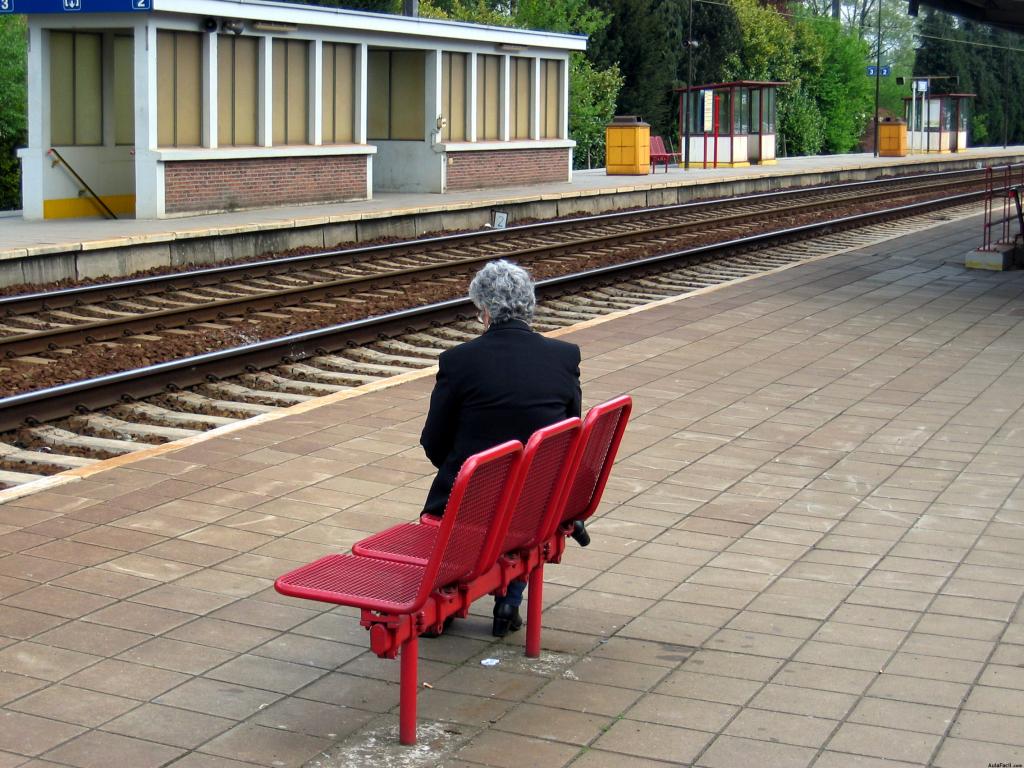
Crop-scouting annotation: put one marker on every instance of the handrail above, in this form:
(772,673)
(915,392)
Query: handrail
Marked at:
(53,151)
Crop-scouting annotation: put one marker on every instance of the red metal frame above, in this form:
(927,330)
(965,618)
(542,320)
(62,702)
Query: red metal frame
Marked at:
(1005,193)
(395,625)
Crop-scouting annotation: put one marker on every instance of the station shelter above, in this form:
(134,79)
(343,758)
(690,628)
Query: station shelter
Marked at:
(937,122)
(730,124)
(157,108)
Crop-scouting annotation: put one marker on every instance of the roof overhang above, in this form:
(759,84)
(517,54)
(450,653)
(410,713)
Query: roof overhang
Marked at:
(317,16)
(1008,14)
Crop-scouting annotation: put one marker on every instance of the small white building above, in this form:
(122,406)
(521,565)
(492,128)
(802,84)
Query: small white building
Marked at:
(174,107)
(937,122)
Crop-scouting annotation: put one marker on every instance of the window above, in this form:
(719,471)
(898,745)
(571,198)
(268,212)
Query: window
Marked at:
(755,110)
(291,92)
(550,99)
(519,98)
(741,111)
(179,89)
(488,97)
(338,93)
(76,89)
(124,90)
(453,96)
(396,95)
(237,90)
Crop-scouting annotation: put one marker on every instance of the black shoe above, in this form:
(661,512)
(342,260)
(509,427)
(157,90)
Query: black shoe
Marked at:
(579,533)
(432,633)
(506,619)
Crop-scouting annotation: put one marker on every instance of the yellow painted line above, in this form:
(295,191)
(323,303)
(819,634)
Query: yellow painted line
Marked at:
(81,207)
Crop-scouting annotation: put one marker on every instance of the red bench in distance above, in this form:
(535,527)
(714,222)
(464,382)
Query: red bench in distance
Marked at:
(509,512)
(661,155)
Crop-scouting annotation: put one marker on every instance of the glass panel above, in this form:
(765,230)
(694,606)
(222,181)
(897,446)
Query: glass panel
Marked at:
(755,111)
(378,99)
(723,112)
(298,92)
(124,90)
(407,95)
(279,111)
(488,112)
(247,101)
(519,97)
(88,89)
(62,89)
(226,90)
(338,93)
(456,101)
(165,78)
(188,89)
(550,103)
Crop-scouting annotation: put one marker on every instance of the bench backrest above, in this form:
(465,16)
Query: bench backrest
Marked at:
(599,442)
(546,464)
(658,146)
(476,515)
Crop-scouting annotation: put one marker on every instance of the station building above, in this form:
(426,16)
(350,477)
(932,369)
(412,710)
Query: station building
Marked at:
(175,107)
(937,122)
(731,124)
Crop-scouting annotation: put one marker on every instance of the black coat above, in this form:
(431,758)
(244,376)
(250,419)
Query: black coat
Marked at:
(504,385)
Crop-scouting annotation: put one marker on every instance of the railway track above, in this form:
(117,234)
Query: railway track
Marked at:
(49,431)
(276,297)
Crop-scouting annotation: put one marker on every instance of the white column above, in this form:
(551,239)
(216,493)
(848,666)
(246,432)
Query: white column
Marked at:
(109,113)
(149,175)
(265,132)
(504,100)
(359,95)
(563,101)
(316,96)
(432,94)
(33,157)
(211,71)
(535,99)
(471,92)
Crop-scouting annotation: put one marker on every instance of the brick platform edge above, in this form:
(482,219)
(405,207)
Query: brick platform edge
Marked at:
(497,168)
(222,185)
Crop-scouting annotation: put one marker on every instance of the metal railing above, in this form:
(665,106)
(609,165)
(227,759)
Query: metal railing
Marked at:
(1000,186)
(59,159)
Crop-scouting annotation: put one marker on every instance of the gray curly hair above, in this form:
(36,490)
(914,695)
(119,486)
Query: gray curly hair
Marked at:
(505,290)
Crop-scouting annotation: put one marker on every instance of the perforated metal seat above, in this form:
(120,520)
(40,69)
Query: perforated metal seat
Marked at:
(481,492)
(599,444)
(537,495)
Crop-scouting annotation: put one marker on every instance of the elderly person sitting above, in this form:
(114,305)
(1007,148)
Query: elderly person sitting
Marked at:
(504,385)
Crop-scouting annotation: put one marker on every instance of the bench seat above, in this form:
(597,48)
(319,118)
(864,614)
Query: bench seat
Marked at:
(509,513)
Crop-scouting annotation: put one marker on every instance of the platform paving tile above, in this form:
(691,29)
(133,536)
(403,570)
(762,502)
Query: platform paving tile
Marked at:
(809,554)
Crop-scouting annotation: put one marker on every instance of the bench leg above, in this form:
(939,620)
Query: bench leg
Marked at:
(534,605)
(408,686)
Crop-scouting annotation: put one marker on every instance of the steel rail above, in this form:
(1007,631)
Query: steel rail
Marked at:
(135,287)
(57,402)
(109,329)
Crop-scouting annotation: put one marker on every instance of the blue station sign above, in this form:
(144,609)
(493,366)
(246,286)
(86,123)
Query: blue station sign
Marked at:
(74,6)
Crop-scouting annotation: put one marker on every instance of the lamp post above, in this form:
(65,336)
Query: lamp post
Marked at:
(690,45)
(878,70)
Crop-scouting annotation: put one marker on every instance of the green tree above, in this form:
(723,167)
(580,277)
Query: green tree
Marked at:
(840,87)
(13,107)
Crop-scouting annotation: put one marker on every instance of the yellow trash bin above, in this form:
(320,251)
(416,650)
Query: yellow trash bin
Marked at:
(892,138)
(627,143)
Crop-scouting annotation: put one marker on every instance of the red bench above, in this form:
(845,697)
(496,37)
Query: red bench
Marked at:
(509,512)
(661,155)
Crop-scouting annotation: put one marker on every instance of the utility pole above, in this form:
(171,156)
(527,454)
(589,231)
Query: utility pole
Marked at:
(686,93)
(878,70)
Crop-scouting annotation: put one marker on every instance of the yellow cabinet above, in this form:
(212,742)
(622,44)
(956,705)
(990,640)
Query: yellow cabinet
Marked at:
(892,138)
(627,147)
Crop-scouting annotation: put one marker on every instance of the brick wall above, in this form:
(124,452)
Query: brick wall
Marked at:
(500,168)
(224,185)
